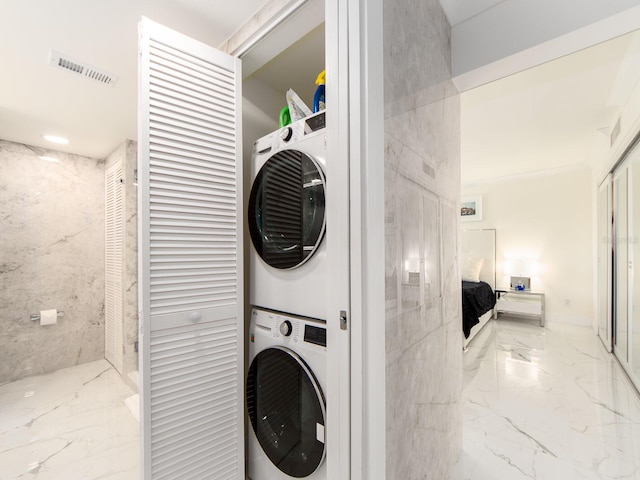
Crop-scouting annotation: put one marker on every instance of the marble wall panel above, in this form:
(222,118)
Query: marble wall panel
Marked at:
(131,257)
(130,283)
(423,411)
(422,190)
(452,300)
(417,54)
(51,256)
(421,143)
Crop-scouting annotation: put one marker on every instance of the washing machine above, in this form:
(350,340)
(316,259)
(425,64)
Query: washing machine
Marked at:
(284,395)
(286,216)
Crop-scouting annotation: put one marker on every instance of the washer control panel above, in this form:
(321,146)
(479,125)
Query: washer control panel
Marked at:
(288,328)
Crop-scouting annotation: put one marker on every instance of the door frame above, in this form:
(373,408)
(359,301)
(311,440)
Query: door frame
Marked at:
(355,219)
(362,39)
(340,444)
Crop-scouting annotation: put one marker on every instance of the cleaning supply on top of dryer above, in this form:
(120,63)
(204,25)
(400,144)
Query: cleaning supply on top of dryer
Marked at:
(318,98)
(297,108)
(285,117)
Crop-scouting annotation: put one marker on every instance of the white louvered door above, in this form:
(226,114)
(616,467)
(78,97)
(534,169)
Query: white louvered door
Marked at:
(114,219)
(190,259)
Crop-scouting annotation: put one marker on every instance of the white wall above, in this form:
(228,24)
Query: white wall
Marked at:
(261,106)
(546,219)
(629,128)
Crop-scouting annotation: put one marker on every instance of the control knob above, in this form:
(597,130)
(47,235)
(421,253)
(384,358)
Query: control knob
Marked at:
(286,328)
(286,134)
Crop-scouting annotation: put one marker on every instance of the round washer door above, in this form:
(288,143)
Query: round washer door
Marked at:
(287,209)
(287,411)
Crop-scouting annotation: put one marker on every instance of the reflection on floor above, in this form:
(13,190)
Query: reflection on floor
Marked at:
(71,424)
(546,403)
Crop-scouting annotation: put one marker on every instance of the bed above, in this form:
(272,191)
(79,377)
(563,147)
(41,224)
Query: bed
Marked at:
(478,261)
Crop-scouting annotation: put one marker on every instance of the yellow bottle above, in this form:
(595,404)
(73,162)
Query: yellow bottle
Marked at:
(318,98)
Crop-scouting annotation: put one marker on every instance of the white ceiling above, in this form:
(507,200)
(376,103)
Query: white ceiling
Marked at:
(457,11)
(552,116)
(36,99)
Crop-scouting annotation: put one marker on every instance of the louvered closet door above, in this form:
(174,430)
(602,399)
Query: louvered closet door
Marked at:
(190,259)
(113,313)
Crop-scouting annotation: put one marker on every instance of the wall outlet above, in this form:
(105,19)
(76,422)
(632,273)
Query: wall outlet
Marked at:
(567,302)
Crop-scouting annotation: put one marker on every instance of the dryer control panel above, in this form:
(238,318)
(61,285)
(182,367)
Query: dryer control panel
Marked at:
(291,134)
(302,128)
(315,122)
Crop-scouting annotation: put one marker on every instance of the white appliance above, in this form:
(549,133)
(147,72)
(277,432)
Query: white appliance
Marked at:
(285,400)
(286,217)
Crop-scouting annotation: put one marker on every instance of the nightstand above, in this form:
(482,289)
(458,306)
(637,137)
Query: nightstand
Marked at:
(521,302)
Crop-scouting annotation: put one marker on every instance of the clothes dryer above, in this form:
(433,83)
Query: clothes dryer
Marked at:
(285,400)
(286,217)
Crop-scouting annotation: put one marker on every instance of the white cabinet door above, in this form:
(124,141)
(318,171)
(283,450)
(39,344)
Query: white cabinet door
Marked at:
(190,258)
(621,270)
(605,261)
(626,287)
(114,230)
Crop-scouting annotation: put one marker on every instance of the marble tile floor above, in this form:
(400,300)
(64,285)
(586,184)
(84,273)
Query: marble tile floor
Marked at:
(71,424)
(546,403)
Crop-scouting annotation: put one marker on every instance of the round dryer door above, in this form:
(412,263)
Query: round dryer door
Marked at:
(287,411)
(287,209)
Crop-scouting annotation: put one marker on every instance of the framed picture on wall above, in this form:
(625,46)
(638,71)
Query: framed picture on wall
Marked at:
(471,208)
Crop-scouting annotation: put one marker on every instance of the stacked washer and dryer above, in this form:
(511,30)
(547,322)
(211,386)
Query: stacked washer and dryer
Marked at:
(287,290)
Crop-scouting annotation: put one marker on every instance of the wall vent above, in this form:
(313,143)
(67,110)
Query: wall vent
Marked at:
(614,133)
(64,62)
(429,170)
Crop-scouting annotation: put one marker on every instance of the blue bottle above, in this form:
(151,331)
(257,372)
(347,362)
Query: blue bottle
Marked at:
(318,97)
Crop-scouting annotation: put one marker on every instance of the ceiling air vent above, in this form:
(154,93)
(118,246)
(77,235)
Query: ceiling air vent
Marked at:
(64,62)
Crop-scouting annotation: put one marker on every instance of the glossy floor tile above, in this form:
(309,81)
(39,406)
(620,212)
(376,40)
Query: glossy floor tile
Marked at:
(71,424)
(546,403)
